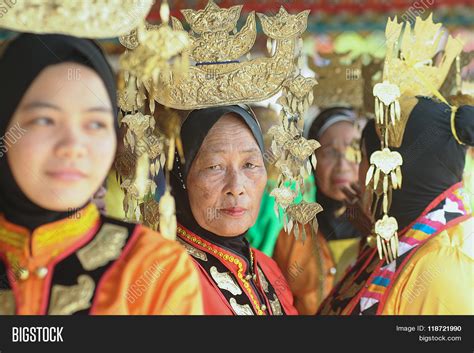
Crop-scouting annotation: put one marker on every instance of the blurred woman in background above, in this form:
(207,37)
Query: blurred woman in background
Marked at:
(311,268)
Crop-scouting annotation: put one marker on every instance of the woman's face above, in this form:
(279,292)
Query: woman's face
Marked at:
(227,178)
(69,141)
(334,171)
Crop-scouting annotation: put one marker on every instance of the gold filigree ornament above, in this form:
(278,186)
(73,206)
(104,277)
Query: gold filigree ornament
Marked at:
(91,19)
(409,65)
(409,71)
(295,161)
(387,106)
(167,209)
(145,145)
(66,300)
(151,51)
(219,76)
(298,215)
(387,238)
(346,79)
(385,170)
(385,174)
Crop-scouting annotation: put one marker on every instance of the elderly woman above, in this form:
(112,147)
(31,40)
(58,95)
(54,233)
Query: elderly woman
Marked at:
(312,268)
(218,192)
(58,255)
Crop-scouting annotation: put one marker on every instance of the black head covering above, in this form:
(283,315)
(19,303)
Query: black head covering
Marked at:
(332,227)
(23,60)
(193,132)
(433,160)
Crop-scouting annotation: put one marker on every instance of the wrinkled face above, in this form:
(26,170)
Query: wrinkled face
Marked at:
(68,140)
(334,171)
(227,178)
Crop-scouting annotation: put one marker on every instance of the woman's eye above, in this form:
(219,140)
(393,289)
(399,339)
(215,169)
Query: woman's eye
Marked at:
(250,165)
(43,121)
(96,125)
(214,167)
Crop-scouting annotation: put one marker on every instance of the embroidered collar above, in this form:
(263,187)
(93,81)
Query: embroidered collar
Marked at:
(50,238)
(235,263)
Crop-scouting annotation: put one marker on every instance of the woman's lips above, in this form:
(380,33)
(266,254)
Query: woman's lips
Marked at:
(234,211)
(67,174)
(340,181)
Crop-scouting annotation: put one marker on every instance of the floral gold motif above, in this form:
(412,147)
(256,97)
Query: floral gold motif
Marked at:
(106,246)
(66,300)
(92,19)
(240,309)
(225,281)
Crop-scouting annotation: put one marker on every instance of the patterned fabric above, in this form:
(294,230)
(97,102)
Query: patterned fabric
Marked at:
(244,285)
(366,286)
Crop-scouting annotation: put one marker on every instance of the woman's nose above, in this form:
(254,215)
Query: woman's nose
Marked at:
(235,183)
(71,145)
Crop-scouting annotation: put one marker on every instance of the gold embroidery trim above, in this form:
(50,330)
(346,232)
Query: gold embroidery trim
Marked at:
(225,281)
(12,238)
(66,300)
(276,305)
(106,246)
(228,258)
(263,280)
(240,309)
(191,250)
(69,228)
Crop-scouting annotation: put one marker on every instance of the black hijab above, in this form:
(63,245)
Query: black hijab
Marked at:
(193,132)
(22,61)
(331,226)
(433,160)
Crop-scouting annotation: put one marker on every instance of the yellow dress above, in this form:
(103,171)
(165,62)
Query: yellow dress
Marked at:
(432,275)
(439,278)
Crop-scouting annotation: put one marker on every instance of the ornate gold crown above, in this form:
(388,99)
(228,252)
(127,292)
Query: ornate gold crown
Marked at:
(221,74)
(92,19)
(409,65)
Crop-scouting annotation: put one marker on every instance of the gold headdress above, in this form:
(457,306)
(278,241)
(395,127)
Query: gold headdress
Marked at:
(91,19)
(409,71)
(223,73)
(152,51)
(346,82)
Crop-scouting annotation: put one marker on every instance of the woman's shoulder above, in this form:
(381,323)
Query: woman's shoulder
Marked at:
(456,243)
(440,271)
(155,274)
(145,242)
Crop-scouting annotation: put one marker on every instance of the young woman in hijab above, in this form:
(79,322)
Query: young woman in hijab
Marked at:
(218,192)
(312,267)
(432,274)
(58,255)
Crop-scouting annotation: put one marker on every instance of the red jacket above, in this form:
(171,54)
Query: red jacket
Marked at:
(232,286)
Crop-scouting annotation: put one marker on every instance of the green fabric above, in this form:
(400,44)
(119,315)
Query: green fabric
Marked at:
(263,235)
